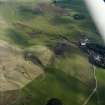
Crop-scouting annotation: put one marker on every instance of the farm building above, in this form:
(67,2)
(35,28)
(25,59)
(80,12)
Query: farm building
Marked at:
(95,51)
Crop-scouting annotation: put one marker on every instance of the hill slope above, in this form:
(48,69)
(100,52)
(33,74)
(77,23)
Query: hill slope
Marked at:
(57,27)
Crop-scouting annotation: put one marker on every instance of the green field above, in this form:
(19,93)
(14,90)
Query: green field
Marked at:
(69,76)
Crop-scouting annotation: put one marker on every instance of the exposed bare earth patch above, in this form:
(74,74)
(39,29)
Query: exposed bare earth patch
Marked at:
(15,72)
(3,23)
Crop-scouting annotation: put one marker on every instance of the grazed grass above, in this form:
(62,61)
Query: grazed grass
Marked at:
(55,84)
(28,28)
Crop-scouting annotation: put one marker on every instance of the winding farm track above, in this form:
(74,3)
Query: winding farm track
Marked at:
(95,90)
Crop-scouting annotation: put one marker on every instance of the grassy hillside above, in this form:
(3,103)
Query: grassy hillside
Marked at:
(55,84)
(56,26)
